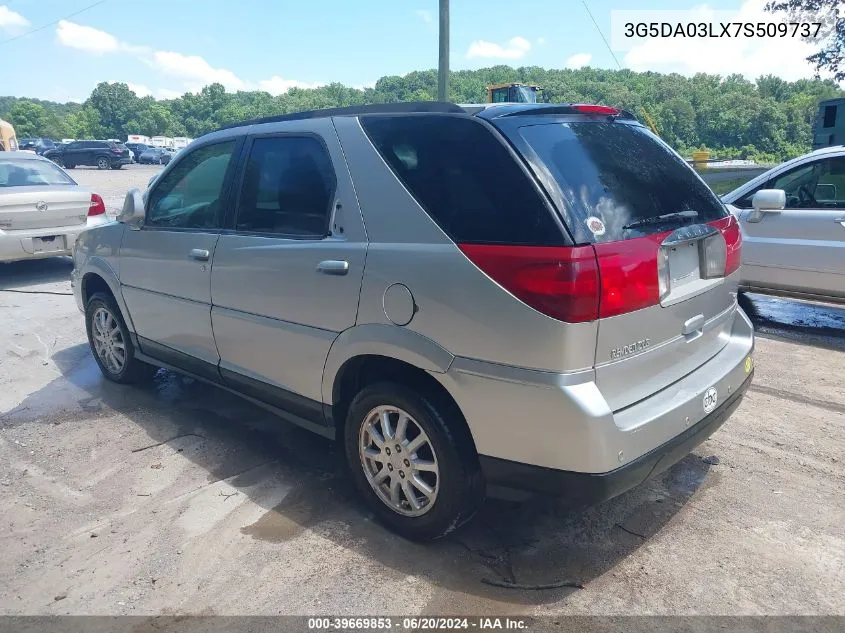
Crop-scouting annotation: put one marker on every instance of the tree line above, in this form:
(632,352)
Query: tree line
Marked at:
(768,120)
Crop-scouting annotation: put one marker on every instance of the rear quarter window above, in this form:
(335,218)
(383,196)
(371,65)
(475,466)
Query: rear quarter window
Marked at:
(619,174)
(465,178)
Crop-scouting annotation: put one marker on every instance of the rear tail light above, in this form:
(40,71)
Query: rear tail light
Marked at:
(629,274)
(560,282)
(729,228)
(712,256)
(97,206)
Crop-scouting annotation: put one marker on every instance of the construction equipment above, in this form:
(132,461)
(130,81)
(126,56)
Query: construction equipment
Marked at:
(512,93)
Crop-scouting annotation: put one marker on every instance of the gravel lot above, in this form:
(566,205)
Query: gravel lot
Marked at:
(113,184)
(176,497)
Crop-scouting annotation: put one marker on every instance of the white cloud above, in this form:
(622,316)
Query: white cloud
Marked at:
(578,60)
(139,89)
(425,16)
(751,57)
(11,21)
(195,68)
(364,86)
(516,48)
(86,38)
(165,93)
(277,85)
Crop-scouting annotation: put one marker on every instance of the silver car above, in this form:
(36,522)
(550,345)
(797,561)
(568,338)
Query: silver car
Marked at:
(793,227)
(476,300)
(42,209)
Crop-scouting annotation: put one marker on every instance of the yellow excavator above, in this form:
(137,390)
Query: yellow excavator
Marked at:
(8,140)
(512,93)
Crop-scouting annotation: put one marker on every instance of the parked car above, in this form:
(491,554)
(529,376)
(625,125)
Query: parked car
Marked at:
(100,154)
(42,209)
(420,282)
(137,149)
(155,156)
(793,227)
(37,145)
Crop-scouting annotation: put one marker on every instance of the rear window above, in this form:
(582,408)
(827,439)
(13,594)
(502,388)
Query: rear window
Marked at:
(465,179)
(613,175)
(31,173)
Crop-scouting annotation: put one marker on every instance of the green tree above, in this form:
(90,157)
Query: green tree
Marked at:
(28,117)
(831,55)
(116,104)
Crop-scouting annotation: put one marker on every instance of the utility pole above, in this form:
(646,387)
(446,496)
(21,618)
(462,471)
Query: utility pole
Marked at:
(443,66)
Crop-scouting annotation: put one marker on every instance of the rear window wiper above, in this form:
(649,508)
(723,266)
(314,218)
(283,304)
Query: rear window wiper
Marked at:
(657,219)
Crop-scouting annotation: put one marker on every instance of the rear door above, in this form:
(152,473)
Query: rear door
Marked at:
(611,181)
(165,267)
(802,247)
(287,275)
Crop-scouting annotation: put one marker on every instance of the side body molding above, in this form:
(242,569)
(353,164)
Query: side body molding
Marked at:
(382,340)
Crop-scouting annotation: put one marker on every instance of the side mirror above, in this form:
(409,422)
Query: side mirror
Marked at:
(133,212)
(769,200)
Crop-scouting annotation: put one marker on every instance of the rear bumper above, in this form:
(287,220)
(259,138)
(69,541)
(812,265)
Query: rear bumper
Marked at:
(28,244)
(591,488)
(562,422)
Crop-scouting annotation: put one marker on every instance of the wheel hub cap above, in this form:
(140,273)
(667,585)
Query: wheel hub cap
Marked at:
(108,340)
(399,461)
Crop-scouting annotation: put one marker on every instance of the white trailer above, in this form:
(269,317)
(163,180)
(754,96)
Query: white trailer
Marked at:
(181,142)
(138,138)
(162,141)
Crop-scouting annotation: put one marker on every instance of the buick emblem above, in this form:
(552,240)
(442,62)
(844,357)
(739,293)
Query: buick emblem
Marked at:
(41,206)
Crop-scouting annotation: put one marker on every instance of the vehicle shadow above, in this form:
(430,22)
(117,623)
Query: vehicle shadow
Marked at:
(817,324)
(36,271)
(537,547)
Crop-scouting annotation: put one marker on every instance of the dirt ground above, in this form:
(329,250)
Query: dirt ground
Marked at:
(176,497)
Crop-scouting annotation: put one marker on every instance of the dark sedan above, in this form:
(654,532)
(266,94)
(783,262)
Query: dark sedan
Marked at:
(155,156)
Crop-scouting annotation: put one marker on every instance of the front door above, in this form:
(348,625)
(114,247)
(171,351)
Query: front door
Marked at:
(801,248)
(165,267)
(287,273)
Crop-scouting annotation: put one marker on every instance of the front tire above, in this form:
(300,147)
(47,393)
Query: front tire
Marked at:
(60,162)
(103,163)
(115,167)
(412,459)
(110,341)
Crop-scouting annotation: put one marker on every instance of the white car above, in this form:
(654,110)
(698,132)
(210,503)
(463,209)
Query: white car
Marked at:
(42,209)
(792,219)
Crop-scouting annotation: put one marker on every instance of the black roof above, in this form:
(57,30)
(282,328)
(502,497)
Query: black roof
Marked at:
(377,108)
(488,111)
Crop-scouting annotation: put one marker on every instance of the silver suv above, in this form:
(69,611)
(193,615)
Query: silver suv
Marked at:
(473,300)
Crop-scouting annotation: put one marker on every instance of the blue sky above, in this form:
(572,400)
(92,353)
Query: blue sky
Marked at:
(166,47)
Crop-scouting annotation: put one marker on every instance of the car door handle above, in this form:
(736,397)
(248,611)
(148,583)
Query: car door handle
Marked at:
(839,221)
(333,267)
(200,254)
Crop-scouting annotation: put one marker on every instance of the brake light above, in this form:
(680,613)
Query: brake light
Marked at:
(560,282)
(729,228)
(586,108)
(97,206)
(629,274)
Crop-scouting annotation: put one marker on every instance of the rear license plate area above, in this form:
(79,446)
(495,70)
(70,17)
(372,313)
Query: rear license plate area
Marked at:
(684,266)
(48,243)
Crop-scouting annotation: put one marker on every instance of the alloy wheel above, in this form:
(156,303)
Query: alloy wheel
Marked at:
(399,461)
(108,340)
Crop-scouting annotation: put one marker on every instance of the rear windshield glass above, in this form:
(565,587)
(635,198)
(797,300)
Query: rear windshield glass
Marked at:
(465,178)
(613,175)
(31,173)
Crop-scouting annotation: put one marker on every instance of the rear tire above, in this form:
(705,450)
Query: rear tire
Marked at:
(111,343)
(430,457)
(60,162)
(747,305)
(103,163)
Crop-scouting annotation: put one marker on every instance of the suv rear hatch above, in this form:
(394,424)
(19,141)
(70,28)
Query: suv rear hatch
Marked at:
(664,244)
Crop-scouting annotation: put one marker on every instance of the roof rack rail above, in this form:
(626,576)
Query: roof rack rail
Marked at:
(377,108)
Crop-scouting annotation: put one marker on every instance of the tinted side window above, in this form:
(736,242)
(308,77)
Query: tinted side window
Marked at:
(288,187)
(829,116)
(188,196)
(464,178)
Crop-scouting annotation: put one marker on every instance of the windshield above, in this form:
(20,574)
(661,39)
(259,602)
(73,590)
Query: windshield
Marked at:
(31,173)
(613,175)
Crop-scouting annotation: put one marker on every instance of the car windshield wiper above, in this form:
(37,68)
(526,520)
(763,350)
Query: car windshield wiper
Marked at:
(658,219)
